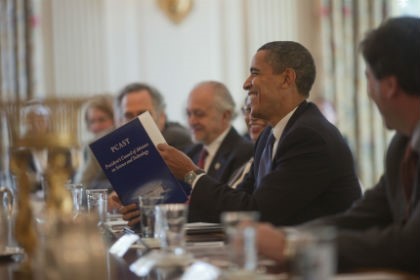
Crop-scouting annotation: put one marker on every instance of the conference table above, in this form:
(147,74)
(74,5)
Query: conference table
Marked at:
(206,253)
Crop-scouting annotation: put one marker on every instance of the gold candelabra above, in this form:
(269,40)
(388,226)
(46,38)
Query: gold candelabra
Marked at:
(50,128)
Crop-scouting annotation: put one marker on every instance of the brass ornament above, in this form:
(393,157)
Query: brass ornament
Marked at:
(176,10)
(54,132)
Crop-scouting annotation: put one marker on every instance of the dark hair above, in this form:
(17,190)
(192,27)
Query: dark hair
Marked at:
(157,98)
(288,54)
(394,49)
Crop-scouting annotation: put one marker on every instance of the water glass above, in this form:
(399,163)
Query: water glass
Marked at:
(315,256)
(97,202)
(6,208)
(241,239)
(147,209)
(171,220)
(76,191)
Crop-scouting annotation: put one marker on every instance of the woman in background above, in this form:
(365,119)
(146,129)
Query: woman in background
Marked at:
(99,119)
(99,115)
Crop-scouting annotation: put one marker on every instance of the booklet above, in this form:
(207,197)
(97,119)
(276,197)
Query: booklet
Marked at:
(132,163)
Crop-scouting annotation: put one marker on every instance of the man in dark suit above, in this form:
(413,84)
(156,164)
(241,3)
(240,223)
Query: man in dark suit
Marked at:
(210,110)
(309,171)
(382,230)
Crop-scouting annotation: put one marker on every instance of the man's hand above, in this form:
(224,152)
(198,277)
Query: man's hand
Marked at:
(131,213)
(114,202)
(178,162)
(271,242)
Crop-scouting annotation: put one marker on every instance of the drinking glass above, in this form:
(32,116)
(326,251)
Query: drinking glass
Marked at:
(315,256)
(171,219)
(241,239)
(76,191)
(147,209)
(97,202)
(6,208)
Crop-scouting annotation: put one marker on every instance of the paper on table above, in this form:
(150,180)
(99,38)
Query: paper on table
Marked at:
(369,276)
(121,246)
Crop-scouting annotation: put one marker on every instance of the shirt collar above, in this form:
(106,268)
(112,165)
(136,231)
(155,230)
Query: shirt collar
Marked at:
(279,127)
(214,146)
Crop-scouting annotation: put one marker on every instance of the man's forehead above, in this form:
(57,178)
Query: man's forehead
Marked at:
(138,99)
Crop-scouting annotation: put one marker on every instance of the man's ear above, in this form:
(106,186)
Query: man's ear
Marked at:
(390,86)
(227,115)
(289,77)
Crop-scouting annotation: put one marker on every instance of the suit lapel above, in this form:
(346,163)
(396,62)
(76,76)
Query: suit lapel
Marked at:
(300,110)
(415,143)
(219,159)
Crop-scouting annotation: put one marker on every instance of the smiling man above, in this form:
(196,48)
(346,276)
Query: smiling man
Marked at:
(210,111)
(381,230)
(302,166)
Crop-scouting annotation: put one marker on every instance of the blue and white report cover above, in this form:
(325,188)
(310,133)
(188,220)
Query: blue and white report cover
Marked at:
(132,163)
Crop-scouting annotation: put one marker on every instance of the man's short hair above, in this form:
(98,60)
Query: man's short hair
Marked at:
(223,99)
(157,98)
(394,49)
(288,54)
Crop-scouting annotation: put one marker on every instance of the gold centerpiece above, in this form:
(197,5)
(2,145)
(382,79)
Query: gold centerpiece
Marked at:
(49,128)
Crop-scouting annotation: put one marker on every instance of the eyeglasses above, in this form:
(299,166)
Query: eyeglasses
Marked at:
(246,109)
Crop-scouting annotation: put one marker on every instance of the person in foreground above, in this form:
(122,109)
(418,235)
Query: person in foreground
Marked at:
(309,172)
(382,230)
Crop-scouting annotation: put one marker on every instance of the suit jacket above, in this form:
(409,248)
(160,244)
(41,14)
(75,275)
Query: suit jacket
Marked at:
(376,231)
(312,175)
(177,135)
(233,152)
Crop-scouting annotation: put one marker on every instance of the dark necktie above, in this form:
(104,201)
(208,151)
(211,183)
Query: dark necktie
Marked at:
(408,171)
(266,159)
(202,160)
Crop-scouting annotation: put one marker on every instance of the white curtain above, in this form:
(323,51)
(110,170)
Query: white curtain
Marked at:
(344,24)
(15,49)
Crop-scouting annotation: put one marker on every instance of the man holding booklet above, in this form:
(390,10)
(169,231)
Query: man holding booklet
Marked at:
(382,230)
(302,169)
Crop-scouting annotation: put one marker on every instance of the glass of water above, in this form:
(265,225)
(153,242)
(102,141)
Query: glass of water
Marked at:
(97,202)
(241,239)
(171,220)
(147,209)
(77,193)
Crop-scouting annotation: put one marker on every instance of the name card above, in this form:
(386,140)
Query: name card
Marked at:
(121,246)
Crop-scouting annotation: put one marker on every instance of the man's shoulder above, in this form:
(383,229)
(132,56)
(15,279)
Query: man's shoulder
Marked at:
(236,148)
(234,136)
(175,127)
(310,121)
(236,141)
(177,135)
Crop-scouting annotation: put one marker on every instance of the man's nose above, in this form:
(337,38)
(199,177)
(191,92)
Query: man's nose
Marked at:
(247,84)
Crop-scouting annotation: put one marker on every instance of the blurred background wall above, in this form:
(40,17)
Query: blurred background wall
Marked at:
(81,48)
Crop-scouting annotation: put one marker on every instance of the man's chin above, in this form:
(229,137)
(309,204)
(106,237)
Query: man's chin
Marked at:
(198,139)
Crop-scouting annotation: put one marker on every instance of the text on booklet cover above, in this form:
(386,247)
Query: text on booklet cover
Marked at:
(132,163)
